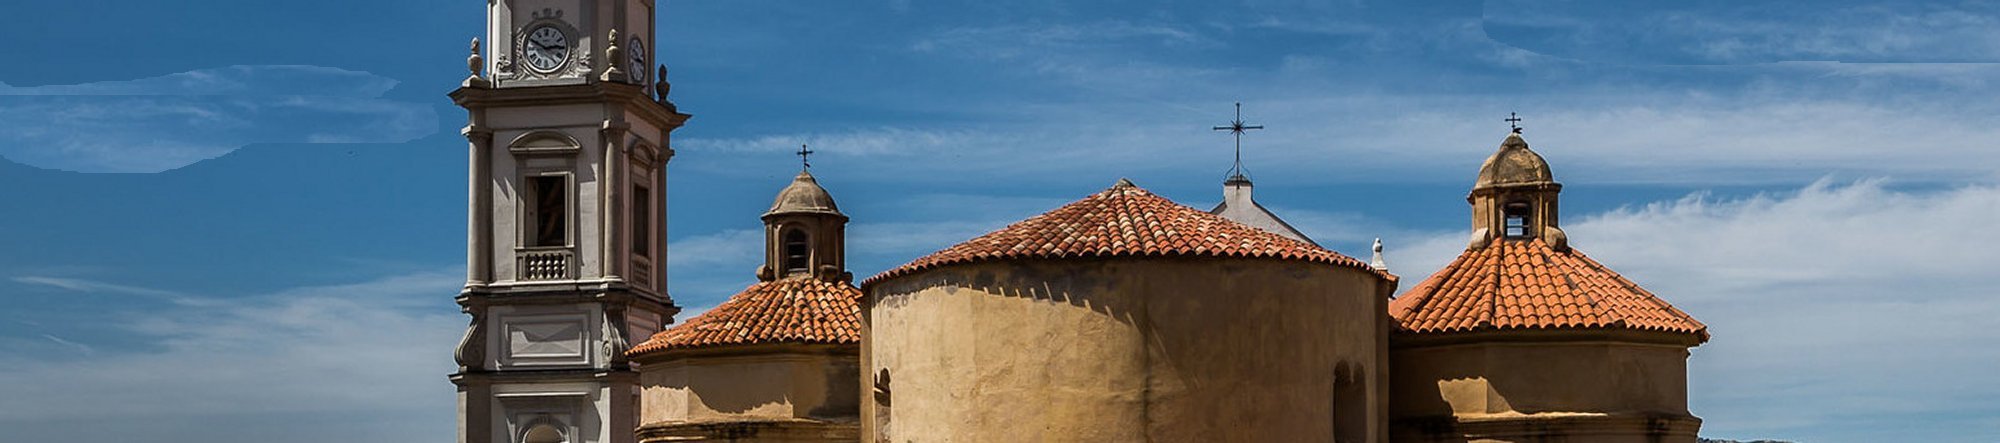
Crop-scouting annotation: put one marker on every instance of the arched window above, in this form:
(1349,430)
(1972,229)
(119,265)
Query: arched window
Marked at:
(1517,219)
(543,433)
(1350,404)
(796,251)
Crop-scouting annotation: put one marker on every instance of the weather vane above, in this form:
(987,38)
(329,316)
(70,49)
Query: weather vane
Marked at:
(804,162)
(1514,121)
(1236,127)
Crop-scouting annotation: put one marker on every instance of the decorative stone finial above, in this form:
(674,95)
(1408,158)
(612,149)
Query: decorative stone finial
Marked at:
(1377,262)
(660,88)
(476,64)
(612,55)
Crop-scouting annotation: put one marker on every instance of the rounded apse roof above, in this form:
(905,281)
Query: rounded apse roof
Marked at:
(1126,221)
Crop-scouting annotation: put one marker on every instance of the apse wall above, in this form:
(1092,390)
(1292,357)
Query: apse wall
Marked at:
(1126,349)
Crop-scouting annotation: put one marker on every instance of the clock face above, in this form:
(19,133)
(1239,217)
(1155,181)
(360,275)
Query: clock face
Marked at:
(638,68)
(547,48)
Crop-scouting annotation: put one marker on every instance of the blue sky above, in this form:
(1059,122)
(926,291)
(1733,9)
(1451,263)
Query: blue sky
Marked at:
(243,220)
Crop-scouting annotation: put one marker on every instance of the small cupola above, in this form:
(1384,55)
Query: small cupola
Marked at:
(1515,197)
(803,196)
(804,233)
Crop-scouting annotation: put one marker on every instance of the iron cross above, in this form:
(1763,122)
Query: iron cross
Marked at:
(1514,121)
(1236,127)
(803,152)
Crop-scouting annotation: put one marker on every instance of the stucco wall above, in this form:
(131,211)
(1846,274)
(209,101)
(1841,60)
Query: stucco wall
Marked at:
(1163,349)
(748,387)
(1623,385)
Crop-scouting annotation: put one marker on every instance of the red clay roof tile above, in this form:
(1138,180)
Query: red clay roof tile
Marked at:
(1525,284)
(798,309)
(1122,221)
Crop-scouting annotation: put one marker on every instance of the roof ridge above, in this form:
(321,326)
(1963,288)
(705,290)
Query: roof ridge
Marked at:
(1526,284)
(1649,295)
(1553,258)
(1126,221)
(1493,292)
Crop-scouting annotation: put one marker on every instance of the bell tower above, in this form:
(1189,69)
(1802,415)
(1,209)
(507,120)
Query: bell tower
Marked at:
(804,234)
(1514,197)
(569,135)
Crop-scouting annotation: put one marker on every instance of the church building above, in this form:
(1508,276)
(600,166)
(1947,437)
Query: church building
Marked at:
(1523,337)
(1121,316)
(776,362)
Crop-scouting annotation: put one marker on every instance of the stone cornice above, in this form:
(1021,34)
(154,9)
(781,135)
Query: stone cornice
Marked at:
(1488,335)
(755,350)
(632,96)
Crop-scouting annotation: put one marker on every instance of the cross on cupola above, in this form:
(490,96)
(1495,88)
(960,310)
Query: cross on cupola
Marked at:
(804,161)
(1514,122)
(1236,128)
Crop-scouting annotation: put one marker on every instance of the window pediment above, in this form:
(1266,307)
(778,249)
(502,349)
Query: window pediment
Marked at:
(544,143)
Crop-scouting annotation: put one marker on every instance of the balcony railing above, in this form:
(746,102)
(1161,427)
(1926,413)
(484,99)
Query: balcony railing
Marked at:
(546,263)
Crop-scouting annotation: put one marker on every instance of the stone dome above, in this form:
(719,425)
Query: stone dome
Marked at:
(803,196)
(1513,164)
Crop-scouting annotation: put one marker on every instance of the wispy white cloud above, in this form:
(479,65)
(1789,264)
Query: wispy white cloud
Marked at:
(895,141)
(299,80)
(727,247)
(1114,56)
(1761,32)
(909,240)
(707,268)
(160,123)
(377,348)
(80,348)
(1016,41)
(1832,303)
(1332,227)
(1633,137)
(1881,32)
(82,285)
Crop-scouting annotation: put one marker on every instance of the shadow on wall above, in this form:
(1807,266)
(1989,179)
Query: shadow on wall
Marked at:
(1584,380)
(777,388)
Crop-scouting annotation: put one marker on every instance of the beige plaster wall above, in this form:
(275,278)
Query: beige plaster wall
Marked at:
(1163,349)
(1497,381)
(749,387)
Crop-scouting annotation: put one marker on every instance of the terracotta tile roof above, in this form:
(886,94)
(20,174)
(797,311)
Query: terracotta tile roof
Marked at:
(1526,284)
(798,309)
(1122,221)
